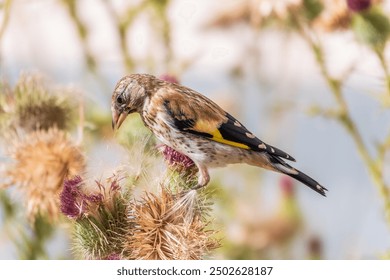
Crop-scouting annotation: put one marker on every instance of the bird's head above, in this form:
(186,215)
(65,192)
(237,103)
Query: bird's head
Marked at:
(129,97)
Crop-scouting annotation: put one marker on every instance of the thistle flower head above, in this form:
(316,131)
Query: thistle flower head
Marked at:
(74,202)
(169,78)
(41,162)
(242,13)
(113,257)
(335,16)
(168,227)
(176,159)
(278,8)
(255,12)
(100,217)
(287,185)
(358,5)
(34,105)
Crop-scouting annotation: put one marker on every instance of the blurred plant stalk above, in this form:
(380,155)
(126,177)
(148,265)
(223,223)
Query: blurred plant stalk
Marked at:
(82,31)
(123,22)
(6,5)
(372,29)
(374,166)
(376,41)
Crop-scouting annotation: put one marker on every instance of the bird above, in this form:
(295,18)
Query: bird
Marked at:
(194,125)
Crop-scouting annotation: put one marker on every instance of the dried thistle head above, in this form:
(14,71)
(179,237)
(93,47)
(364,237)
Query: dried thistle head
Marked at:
(168,226)
(241,13)
(256,12)
(264,235)
(41,162)
(34,105)
(337,14)
(279,9)
(100,217)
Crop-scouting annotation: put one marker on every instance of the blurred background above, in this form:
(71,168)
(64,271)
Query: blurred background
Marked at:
(308,76)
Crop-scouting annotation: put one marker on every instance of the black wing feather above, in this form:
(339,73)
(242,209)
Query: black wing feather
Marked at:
(231,130)
(234,131)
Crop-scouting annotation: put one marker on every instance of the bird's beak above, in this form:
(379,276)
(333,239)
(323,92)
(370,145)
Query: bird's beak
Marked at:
(117,119)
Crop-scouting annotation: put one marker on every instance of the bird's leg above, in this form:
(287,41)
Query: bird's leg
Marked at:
(203,177)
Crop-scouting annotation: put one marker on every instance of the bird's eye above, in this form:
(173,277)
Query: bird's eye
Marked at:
(119,100)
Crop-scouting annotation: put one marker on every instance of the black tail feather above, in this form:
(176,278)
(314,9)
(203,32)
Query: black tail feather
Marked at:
(284,168)
(311,183)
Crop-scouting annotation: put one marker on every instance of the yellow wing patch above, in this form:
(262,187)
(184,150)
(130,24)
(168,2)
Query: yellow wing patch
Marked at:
(218,137)
(209,128)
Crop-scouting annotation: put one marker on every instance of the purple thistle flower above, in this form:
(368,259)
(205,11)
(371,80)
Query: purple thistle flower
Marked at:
(176,159)
(287,185)
(113,257)
(70,198)
(358,5)
(169,78)
(74,203)
(94,198)
(114,187)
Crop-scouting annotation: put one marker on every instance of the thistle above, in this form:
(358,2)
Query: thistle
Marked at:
(169,78)
(100,217)
(335,16)
(257,12)
(107,226)
(359,5)
(168,227)
(33,105)
(74,202)
(41,162)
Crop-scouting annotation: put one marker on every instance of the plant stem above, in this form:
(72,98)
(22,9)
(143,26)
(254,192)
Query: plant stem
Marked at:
(346,120)
(381,56)
(7,8)
(122,24)
(6,15)
(80,128)
(82,31)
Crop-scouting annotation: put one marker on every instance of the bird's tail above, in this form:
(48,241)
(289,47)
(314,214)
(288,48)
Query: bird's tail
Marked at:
(310,182)
(284,168)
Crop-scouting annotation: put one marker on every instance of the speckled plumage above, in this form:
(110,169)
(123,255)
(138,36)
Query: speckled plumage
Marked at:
(195,126)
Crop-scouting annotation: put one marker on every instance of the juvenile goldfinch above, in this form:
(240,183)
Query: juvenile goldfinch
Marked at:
(197,127)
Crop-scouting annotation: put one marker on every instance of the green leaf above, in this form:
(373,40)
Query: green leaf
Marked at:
(312,9)
(372,28)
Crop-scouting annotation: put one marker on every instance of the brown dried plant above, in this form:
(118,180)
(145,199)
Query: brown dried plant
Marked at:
(34,104)
(169,227)
(41,162)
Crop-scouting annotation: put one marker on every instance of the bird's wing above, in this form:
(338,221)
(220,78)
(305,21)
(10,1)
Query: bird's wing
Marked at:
(194,113)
